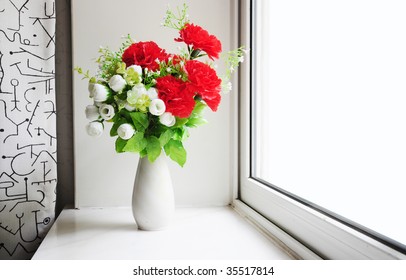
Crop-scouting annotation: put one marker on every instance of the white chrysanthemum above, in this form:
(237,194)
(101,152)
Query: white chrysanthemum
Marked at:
(117,83)
(157,107)
(94,129)
(106,111)
(125,131)
(92,112)
(136,92)
(167,119)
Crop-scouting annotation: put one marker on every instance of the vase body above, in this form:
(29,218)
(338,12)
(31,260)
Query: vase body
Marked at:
(153,202)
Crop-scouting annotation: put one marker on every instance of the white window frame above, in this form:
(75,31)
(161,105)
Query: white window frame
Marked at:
(300,228)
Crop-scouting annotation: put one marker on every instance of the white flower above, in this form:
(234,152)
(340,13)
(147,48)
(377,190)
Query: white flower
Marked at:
(117,83)
(129,107)
(125,131)
(136,68)
(136,92)
(90,87)
(92,112)
(157,107)
(106,111)
(152,93)
(100,93)
(227,87)
(94,129)
(167,119)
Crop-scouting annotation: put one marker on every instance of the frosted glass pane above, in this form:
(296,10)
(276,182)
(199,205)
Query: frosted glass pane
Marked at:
(330,108)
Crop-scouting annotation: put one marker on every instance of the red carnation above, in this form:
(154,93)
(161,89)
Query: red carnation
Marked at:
(200,39)
(177,97)
(144,54)
(204,82)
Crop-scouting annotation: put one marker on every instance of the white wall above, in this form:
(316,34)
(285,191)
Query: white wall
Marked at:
(104,178)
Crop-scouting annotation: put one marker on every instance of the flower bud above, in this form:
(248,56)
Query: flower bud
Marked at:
(157,107)
(136,68)
(125,131)
(92,112)
(167,119)
(94,129)
(100,93)
(117,83)
(106,111)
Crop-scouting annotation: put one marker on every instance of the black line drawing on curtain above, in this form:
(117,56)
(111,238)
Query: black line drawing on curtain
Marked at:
(27,125)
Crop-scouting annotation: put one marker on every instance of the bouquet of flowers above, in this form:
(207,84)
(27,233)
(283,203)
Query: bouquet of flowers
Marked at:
(152,97)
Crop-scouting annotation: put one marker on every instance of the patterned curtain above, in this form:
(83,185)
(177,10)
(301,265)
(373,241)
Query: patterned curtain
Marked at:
(27,125)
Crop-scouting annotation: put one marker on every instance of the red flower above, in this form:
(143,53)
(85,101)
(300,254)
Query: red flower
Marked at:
(204,82)
(177,97)
(144,54)
(200,39)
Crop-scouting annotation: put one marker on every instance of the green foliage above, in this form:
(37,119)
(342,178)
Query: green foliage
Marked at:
(140,121)
(174,149)
(153,148)
(165,137)
(120,144)
(176,20)
(136,144)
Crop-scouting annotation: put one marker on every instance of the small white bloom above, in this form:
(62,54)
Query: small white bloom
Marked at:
(129,107)
(227,87)
(94,129)
(152,93)
(167,119)
(106,111)
(90,88)
(136,68)
(117,83)
(92,112)
(100,93)
(241,59)
(157,107)
(125,131)
(168,69)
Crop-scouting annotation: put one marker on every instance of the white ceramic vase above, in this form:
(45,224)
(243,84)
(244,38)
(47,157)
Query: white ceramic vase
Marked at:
(153,202)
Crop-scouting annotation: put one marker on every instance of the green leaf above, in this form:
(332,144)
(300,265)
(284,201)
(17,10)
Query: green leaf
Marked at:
(153,148)
(165,137)
(180,122)
(174,149)
(143,153)
(120,144)
(140,121)
(199,107)
(136,144)
(196,121)
(180,133)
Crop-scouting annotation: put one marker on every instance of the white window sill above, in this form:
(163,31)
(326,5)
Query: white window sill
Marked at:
(196,233)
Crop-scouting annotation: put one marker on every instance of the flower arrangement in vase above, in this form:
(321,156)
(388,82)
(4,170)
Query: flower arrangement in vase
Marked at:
(151,97)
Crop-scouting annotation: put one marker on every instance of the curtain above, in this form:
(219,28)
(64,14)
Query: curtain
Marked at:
(27,125)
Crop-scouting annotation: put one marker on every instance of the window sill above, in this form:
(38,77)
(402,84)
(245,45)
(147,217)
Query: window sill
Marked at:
(196,233)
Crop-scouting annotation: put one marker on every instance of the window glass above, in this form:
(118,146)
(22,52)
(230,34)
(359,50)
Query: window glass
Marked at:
(329,109)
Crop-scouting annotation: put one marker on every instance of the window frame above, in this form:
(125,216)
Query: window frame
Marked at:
(302,228)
